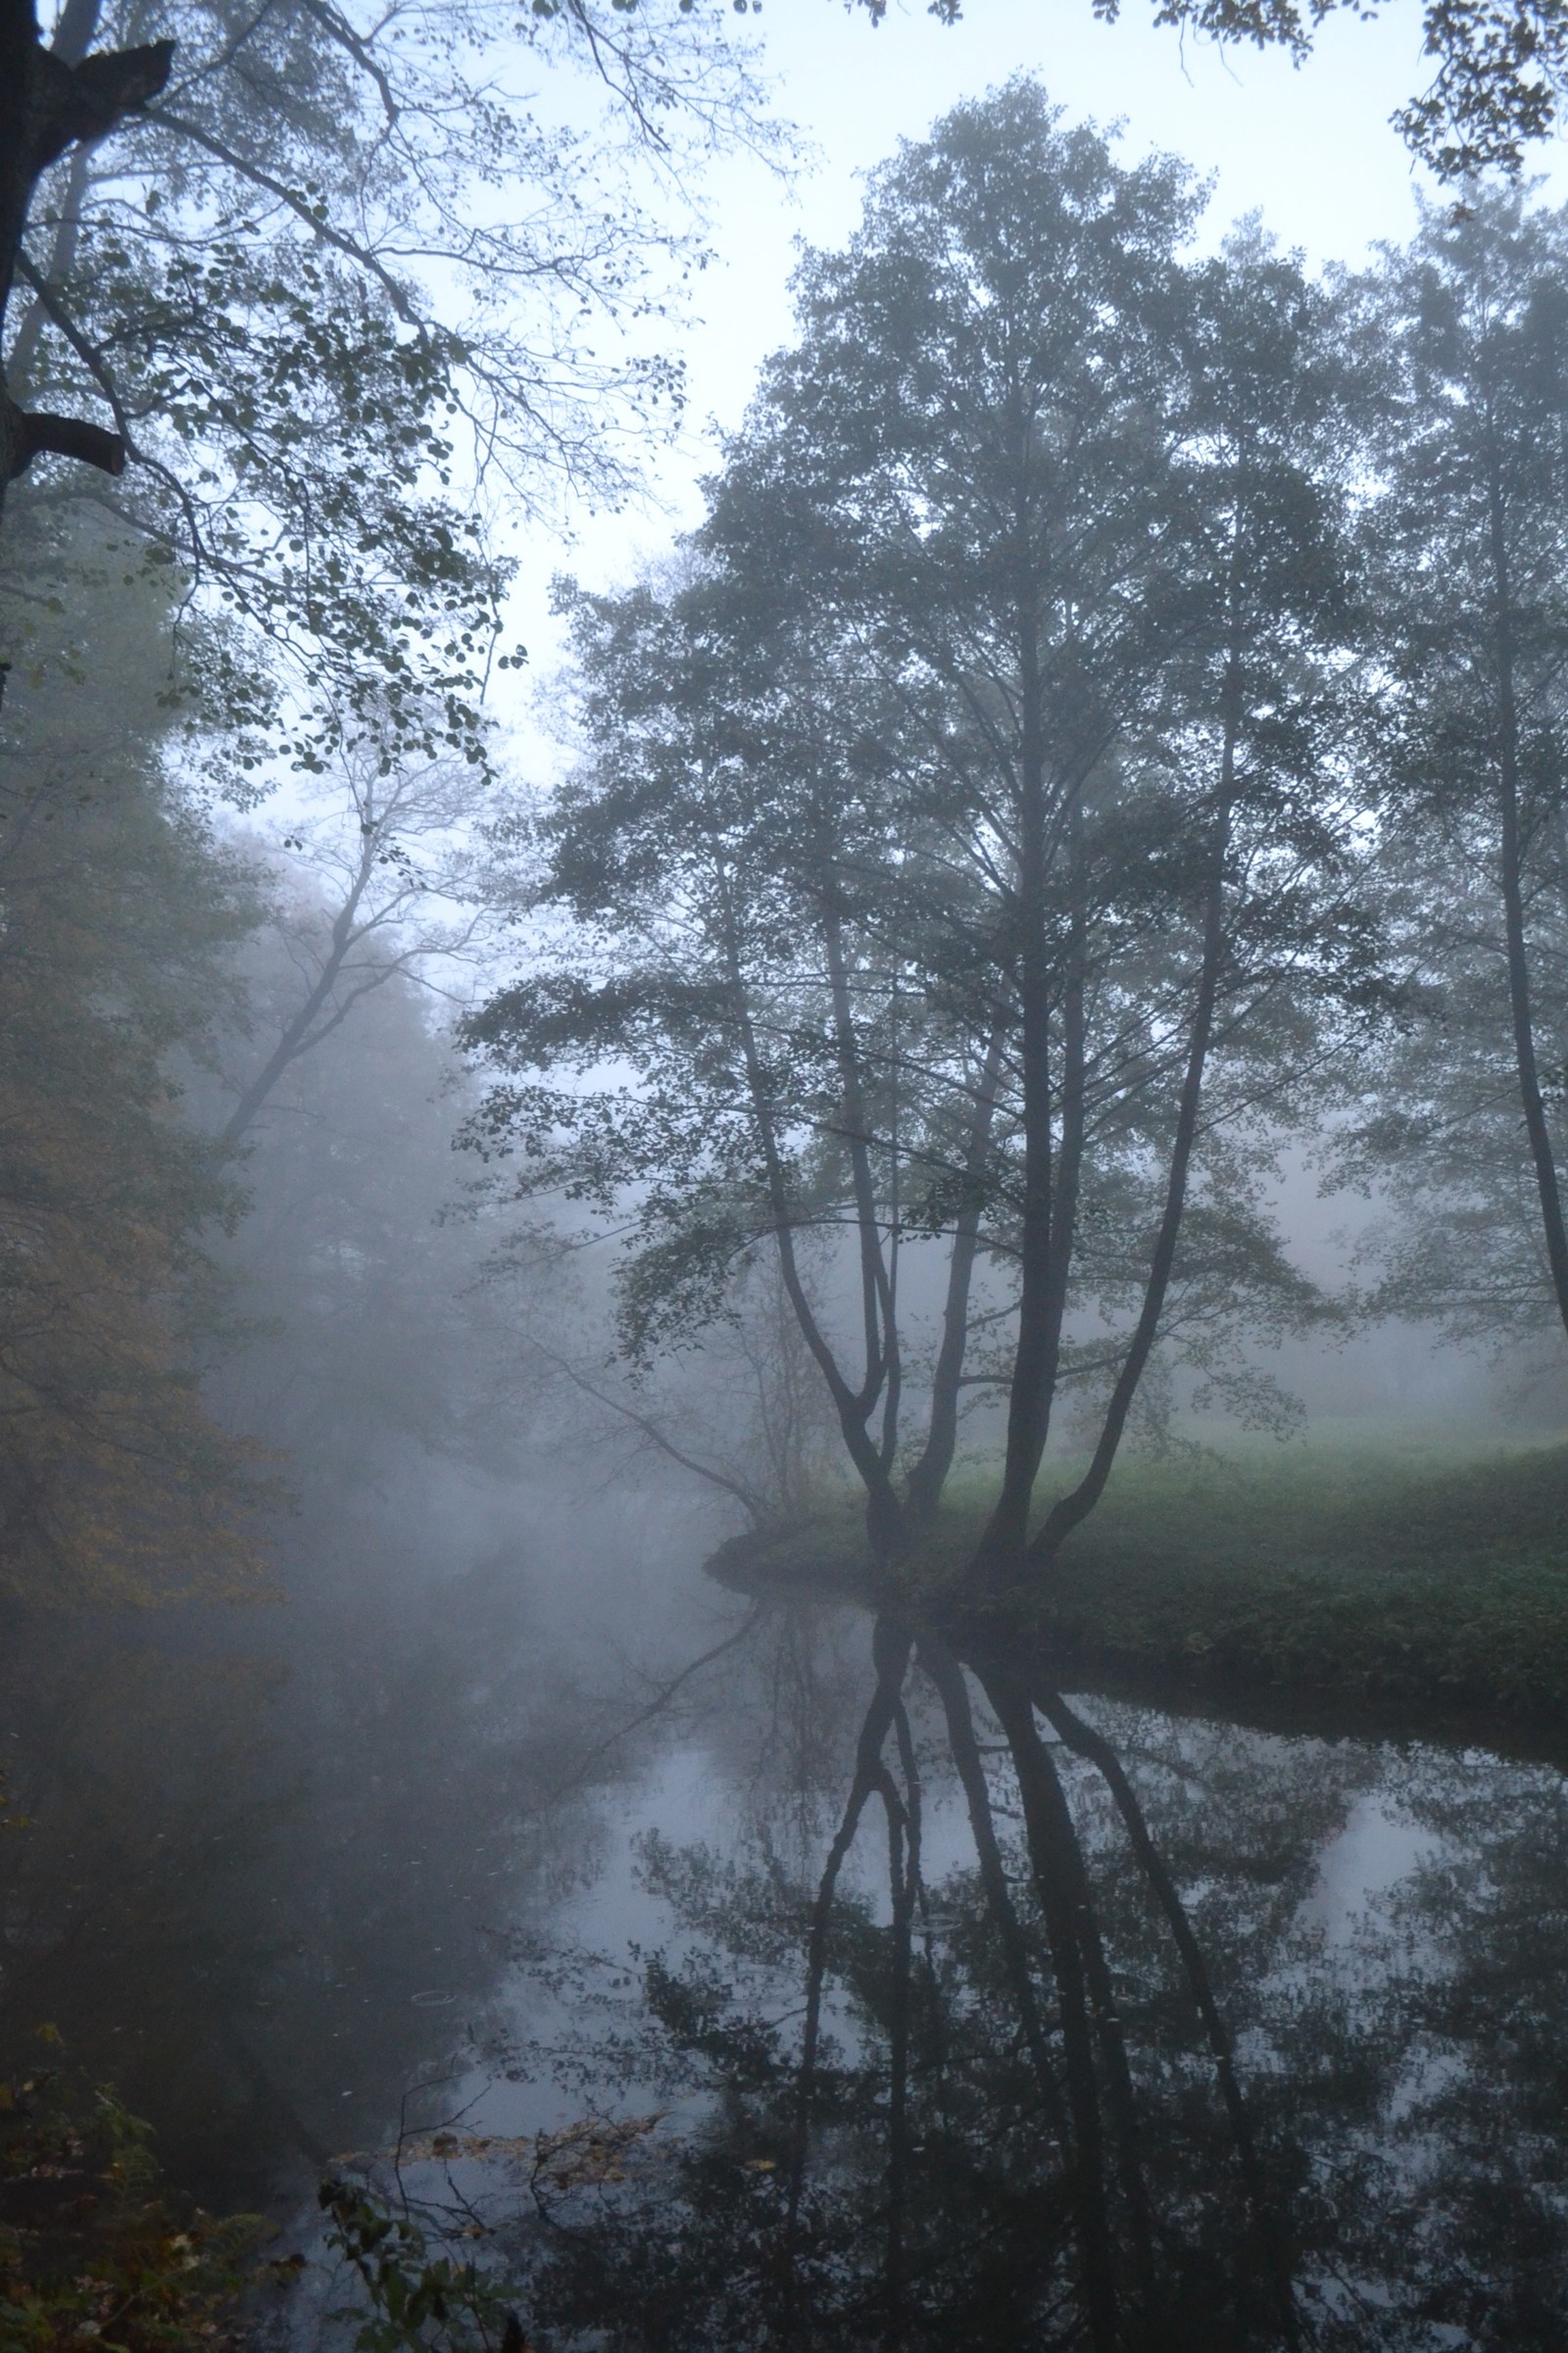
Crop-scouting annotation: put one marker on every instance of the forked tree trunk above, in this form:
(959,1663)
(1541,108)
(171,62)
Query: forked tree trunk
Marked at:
(1051,1177)
(928,1477)
(1071,1509)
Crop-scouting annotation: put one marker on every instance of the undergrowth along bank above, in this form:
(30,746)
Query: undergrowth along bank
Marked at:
(1403,1578)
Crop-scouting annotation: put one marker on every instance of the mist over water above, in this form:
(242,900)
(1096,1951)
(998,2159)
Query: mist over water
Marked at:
(390,1893)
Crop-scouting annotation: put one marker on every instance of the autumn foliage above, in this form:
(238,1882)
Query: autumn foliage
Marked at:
(116,910)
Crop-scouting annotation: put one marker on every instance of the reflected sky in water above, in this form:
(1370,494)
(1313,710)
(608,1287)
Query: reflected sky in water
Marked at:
(1238,2038)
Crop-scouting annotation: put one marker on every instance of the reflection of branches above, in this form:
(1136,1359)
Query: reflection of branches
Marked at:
(948,2191)
(903,1864)
(666,1694)
(1090,1744)
(1085,1993)
(948,1676)
(890,1653)
(1048,1830)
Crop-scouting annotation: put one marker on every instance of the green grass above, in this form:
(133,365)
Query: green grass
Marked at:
(1400,1574)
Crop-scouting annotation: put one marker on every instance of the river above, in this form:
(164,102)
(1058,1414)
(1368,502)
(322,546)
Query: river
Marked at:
(1116,2026)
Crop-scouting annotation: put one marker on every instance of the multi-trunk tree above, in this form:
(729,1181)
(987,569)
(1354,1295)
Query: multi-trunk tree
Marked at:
(960,852)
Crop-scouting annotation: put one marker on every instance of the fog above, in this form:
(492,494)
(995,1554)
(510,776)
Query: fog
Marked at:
(783,1266)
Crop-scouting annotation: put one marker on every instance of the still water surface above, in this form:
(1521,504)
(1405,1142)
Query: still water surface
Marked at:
(837,1997)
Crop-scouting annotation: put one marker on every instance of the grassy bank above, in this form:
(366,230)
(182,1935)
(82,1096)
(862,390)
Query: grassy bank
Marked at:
(1404,1578)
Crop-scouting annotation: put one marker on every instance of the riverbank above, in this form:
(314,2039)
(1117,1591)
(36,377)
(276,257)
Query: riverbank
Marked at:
(1404,1581)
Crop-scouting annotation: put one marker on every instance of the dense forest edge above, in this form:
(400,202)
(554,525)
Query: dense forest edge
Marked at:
(1341,1587)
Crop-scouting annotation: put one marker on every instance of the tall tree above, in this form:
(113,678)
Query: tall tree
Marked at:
(1092,533)
(1468,549)
(716,852)
(54,102)
(1003,776)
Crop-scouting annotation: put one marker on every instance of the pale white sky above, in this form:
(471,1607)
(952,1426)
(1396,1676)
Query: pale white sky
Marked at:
(1310,149)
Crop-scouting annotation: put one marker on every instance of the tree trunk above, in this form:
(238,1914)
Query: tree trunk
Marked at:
(1071,1509)
(877,1289)
(884,1515)
(1511,865)
(1050,1186)
(298,1036)
(923,1490)
(50,100)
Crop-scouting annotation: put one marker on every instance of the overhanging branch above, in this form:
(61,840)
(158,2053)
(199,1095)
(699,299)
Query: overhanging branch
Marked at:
(37,431)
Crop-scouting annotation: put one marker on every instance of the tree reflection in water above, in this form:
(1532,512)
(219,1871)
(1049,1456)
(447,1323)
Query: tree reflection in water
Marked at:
(999,2023)
(997,2108)
(1097,2075)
